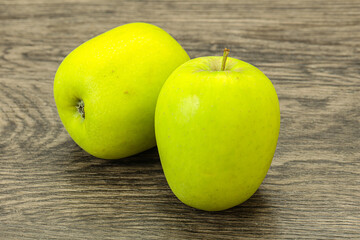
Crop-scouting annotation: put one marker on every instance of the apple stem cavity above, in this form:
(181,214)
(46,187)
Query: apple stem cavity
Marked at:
(226,54)
(80,108)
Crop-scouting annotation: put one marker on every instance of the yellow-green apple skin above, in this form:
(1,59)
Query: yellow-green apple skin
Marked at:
(117,76)
(216,131)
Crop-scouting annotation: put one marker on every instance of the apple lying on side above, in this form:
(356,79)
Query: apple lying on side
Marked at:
(106,89)
(217,122)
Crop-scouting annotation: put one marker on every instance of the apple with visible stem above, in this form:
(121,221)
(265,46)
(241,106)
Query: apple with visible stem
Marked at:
(217,122)
(106,89)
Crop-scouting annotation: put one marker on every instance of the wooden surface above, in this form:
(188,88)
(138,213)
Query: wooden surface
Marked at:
(51,189)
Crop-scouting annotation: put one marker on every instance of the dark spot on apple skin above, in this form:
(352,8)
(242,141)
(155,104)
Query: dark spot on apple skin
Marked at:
(126,92)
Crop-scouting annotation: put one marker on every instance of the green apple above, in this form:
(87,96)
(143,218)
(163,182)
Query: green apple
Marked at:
(216,123)
(106,89)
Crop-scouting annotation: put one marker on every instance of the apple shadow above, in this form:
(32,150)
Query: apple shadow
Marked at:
(254,218)
(137,183)
(82,169)
(81,162)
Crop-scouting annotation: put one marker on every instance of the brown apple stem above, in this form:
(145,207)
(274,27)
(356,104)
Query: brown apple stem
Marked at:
(226,54)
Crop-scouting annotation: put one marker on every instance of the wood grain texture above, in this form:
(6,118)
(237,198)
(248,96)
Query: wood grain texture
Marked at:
(51,189)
